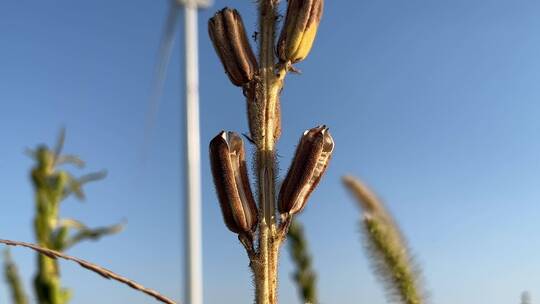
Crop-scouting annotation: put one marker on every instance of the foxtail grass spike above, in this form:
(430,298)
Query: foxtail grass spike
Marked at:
(386,247)
(299,30)
(13,280)
(226,30)
(104,272)
(368,201)
(227,158)
(309,164)
(304,274)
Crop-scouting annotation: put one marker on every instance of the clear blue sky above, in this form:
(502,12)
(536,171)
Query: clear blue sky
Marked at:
(433,103)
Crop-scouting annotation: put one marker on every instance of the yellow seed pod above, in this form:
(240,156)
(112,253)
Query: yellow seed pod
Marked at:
(299,30)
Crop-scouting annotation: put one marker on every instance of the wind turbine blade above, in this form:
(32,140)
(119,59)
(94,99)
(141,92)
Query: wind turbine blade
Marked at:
(59,145)
(30,153)
(160,72)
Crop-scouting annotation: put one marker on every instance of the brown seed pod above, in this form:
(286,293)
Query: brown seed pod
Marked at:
(230,41)
(299,30)
(227,159)
(309,164)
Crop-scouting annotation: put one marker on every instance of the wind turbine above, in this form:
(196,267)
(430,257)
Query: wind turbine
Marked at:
(192,176)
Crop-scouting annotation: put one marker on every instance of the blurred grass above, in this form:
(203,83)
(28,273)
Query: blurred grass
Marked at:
(304,275)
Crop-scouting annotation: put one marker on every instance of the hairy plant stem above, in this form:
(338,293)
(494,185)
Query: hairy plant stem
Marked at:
(265,262)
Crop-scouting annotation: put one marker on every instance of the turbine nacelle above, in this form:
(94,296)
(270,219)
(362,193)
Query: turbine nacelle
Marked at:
(196,3)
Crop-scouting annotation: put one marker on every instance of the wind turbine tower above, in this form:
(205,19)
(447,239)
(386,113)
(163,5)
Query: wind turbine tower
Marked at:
(193,234)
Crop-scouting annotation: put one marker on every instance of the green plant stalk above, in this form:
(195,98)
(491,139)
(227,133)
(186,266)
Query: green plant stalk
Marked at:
(11,273)
(304,275)
(49,188)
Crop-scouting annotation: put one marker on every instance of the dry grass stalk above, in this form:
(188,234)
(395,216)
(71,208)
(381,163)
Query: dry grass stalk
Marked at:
(92,267)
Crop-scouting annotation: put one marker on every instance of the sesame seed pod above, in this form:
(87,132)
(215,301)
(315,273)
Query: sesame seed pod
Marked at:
(228,35)
(299,30)
(227,159)
(309,164)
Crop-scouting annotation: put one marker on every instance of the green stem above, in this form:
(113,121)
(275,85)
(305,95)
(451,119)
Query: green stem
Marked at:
(49,191)
(14,281)
(304,275)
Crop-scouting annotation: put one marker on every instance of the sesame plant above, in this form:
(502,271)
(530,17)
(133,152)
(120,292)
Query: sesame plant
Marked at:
(262,224)
(260,227)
